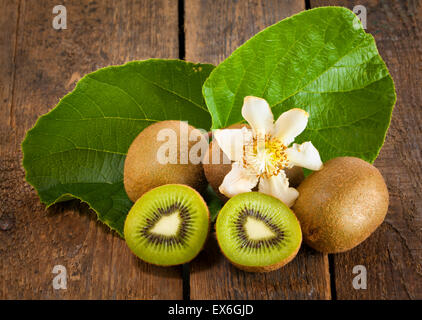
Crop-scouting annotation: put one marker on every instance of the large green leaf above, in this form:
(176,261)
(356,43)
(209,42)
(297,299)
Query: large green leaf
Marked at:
(322,61)
(77,150)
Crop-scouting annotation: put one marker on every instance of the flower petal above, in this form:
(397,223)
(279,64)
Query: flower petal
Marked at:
(238,180)
(278,187)
(304,155)
(290,124)
(258,114)
(231,141)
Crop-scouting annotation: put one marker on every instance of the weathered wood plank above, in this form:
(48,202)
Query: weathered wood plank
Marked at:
(213,30)
(8,26)
(393,254)
(48,64)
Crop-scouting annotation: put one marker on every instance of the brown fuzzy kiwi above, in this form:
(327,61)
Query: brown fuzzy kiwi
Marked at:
(295,176)
(143,171)
(341,205)
(215,173)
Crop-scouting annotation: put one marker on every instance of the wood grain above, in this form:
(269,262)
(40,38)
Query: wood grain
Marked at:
(393,254)
(8,26)
(213,30)
(40,65)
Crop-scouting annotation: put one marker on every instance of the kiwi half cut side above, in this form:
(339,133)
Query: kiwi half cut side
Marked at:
(257,232)
(168,225)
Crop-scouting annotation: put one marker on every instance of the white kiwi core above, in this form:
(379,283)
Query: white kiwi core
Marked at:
(167,225)
(257,230)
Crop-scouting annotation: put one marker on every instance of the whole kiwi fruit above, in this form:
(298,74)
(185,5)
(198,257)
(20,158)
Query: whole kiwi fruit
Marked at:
(341,205)
(168,225)
(217,165)
(215,173)
(143,170)
(257,232)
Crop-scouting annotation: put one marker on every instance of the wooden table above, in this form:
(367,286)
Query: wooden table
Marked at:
(39,65)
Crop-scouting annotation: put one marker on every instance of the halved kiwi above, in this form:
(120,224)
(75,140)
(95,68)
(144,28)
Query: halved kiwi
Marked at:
(168,225)
(257,232)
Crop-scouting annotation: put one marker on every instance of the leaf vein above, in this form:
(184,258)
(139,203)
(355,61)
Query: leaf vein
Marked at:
(170,91)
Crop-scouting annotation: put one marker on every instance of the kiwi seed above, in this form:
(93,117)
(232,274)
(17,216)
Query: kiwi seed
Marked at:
(257,232)
(168,225)
(341,205)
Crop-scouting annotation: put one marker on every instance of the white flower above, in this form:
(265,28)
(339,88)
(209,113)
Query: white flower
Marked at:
(261,154)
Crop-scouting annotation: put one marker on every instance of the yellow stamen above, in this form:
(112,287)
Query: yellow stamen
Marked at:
(265,155)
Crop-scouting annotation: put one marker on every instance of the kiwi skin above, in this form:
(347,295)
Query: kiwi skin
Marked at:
(143,172)
(208,232)
(341,205)
(215,173)
(295,176)
(269,268)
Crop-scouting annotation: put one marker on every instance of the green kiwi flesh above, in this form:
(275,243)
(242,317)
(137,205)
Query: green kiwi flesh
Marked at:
(168,225)
(257,232)
(341,205)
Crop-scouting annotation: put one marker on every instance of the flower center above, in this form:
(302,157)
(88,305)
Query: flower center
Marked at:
(265,156)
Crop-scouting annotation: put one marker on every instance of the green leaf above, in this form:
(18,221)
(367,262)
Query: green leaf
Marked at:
(322,61)
(78,149)
(214,203)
